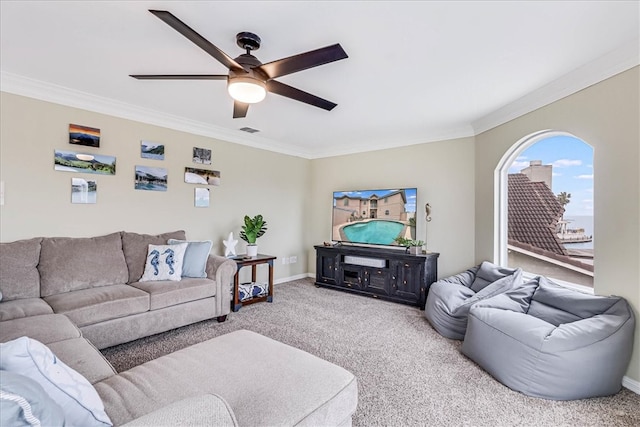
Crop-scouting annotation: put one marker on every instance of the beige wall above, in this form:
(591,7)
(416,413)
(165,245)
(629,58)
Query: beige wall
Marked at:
(606,116)
(38,199)
(441,171)
(295,195)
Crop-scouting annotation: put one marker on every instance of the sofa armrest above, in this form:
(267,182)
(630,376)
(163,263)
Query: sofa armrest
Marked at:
(222,270)
(203,410)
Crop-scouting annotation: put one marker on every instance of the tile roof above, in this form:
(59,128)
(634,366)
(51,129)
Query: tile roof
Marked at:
(533,214)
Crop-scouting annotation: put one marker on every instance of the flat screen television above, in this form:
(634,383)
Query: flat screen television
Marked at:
(374,217)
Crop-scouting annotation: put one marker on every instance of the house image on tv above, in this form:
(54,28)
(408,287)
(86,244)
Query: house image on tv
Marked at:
(391,206)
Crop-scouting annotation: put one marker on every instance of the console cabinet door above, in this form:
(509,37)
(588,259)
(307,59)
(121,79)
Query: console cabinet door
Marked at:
(377,280)
(409,279)
(327,267)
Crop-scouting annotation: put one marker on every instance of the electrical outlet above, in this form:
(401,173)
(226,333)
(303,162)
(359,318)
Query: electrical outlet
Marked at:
(285,260)
(293,259)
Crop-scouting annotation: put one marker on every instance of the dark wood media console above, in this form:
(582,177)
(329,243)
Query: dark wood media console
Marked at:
(389,274)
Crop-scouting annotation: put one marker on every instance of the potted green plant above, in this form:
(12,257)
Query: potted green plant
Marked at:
(414,246)
(251,230)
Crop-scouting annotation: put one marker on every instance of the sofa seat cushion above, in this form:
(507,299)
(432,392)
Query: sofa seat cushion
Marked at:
(19,276)
(135,247)
(46,328)
(82,356)
(89,306)
(74,263)
(205,410)
(166,293)
(264,381)
(19,308)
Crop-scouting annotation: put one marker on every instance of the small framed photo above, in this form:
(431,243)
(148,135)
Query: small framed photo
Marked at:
(151,179)
(83,190)
(202,197)
(151,150)
(201,176)
(202,156)
(84,135)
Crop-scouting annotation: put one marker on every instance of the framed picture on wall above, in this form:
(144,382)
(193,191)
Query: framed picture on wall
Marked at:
(202,156)
(201,176)
(70,161)
(151,179)
(151,150)
(83,190)
(202,197)
(84,135)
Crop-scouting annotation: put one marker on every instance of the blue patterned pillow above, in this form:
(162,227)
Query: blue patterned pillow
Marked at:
(164,262)
(252,290)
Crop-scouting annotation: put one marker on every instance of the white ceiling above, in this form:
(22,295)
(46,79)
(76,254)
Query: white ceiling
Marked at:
(416,72)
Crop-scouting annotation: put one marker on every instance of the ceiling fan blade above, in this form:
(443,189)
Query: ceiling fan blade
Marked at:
(299,95)
(179,76)
(302,61)
(240,109)
(196,38)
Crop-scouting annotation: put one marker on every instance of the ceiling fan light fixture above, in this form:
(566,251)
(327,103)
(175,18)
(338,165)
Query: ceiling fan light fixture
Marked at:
(247,90)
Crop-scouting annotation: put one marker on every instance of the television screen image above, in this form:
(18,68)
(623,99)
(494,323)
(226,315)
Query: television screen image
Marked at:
(374,217)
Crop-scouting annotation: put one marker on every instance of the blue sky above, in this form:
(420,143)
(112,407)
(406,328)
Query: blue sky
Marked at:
(572,162)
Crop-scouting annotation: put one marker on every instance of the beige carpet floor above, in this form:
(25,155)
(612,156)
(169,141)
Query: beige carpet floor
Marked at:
(408,375)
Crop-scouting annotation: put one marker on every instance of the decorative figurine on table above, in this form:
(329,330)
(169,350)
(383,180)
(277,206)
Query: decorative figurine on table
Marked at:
(230,246)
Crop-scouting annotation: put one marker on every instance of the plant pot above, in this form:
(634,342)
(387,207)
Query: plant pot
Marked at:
(415,250)
(252,250)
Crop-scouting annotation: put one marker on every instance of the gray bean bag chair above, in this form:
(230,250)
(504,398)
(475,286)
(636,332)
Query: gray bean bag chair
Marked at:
(548,341)
(449,299)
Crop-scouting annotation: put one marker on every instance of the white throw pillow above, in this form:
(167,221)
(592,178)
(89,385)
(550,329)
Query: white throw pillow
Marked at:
(164,262)
(80,402)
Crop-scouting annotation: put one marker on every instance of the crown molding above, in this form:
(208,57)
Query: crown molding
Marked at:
(49,92)
(621,59)
(625,57)
(342,150)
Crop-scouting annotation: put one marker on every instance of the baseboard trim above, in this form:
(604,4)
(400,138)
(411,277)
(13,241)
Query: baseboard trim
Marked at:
(632,385)
(290,278)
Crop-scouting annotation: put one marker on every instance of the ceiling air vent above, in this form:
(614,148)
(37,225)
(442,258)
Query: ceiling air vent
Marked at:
(248,129)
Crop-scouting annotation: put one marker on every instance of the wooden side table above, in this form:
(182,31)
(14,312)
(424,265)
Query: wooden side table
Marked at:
(244,261)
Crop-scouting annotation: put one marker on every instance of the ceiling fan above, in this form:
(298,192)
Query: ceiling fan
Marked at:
(249,80)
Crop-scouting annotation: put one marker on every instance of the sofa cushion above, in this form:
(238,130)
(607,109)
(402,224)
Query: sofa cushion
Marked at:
(19,277)
(164,262)
(23,402)
(195,258)
(167,293)
(18,308)
(88,306)
(79,401)
(82,356)
(74,263)
(204,410)
(135,248)
(46,328)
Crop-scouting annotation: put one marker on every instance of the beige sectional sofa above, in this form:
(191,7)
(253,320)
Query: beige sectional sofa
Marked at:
(95,283)
(76,294)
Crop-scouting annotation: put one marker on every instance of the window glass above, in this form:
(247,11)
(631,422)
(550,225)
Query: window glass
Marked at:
(547,206)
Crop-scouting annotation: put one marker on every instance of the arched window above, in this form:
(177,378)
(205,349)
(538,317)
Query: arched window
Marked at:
(544,208)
